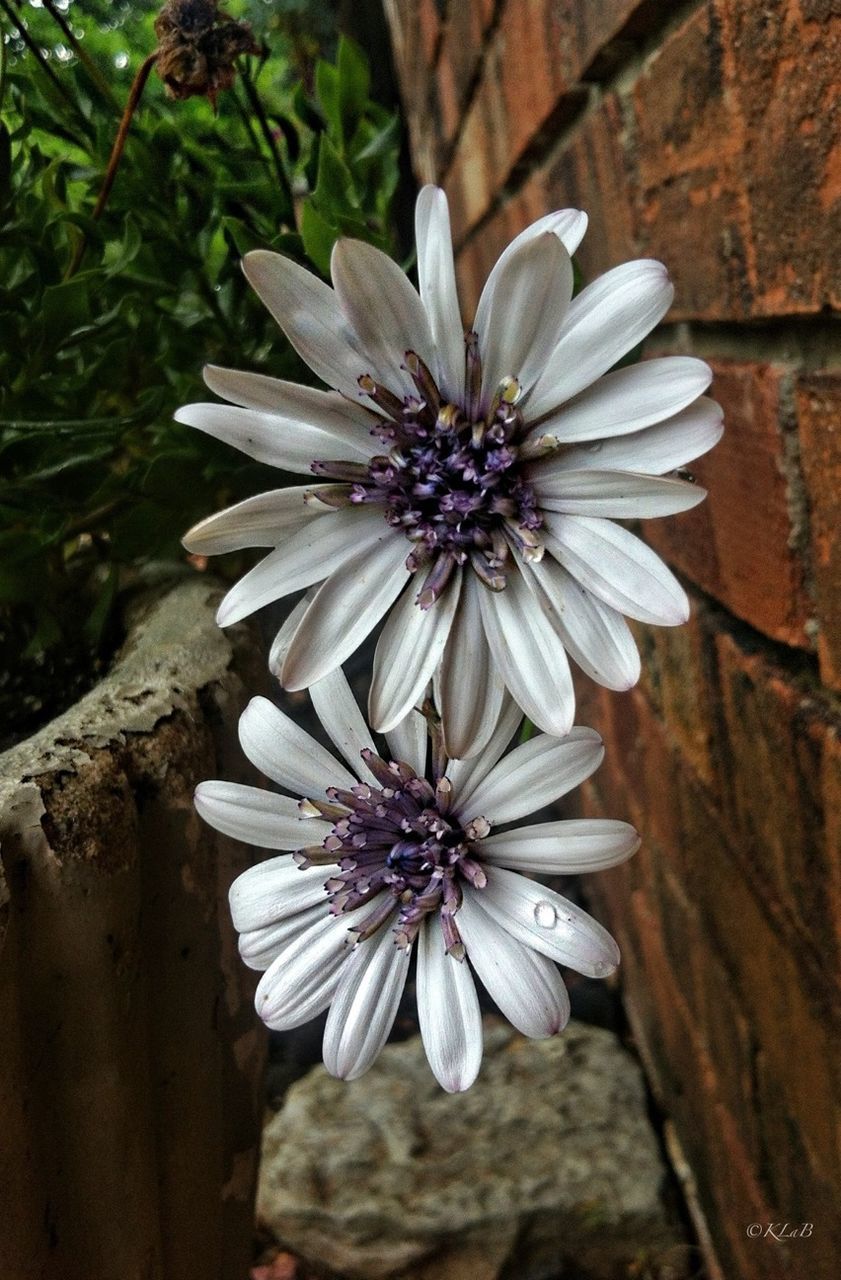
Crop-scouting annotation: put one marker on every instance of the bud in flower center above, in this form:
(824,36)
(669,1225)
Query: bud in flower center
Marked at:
(399,838)
(453,478)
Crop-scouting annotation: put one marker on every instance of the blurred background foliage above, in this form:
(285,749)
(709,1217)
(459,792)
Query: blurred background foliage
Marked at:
(107,322)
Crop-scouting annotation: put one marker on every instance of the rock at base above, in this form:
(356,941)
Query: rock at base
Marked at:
(548,1165)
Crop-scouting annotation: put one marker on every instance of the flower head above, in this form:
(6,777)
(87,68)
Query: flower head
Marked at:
(469,482)
(409,850)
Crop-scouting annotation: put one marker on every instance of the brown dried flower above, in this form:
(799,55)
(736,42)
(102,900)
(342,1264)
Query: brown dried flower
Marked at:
(198,46)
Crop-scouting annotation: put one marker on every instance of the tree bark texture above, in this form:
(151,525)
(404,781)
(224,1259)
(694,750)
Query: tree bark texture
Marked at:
(130,1056)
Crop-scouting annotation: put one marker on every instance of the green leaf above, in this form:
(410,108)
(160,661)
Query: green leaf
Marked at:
(327,92)
(119,255)
(318,236)
(64,307)
(334,186)
(354,84)
(240,237)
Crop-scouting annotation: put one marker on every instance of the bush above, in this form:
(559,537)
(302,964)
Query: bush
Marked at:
(107,321)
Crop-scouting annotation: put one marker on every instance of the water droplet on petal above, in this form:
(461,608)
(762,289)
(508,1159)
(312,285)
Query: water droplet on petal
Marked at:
(545,915)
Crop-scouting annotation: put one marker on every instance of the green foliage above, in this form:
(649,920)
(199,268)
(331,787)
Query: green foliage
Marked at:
(96,354)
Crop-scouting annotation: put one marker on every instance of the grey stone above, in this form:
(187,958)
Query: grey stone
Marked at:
(547,1163)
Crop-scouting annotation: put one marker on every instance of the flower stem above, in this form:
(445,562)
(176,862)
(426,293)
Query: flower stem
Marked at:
(135,94)
(257,107)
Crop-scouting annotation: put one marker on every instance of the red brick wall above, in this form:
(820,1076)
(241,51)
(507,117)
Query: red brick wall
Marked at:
(707,134)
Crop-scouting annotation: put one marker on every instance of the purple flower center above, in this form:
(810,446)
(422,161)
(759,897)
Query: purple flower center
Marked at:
(399,844)
(452,480)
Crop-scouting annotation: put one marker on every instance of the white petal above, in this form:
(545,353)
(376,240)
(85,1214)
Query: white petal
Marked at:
(533,775)
(257,816)
(275,890)
(562,848)
(468,690)
(384,309)
(607,319)
(656,449)
(338,711)
(345,608)
(437,281)
(408,742)
(365,1005)
(621,495)
(283,639)
(617,567)
(286,753)
(309,314)
(408,652)
(465,775)
(553,925)
(568,225)
(519,320)
(259,948)
(326,410)
(305,557)
(596,636)
(288,443)
(629,399)
(448,1012)
(302,980)
(529,655)
(260,521)
(525,985)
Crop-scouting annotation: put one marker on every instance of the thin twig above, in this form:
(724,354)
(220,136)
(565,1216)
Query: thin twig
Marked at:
(82,54)
(135,94)
(246,120)
(257,108)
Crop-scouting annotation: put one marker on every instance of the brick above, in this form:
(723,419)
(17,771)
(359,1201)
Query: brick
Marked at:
(678,674)
(533,80)
(688,150)
(737,153)
(743,543)
(819,421)
(475,261)
(593,173)
(765,975)
(414,27)
(462,47)
(782,758)
(783,70)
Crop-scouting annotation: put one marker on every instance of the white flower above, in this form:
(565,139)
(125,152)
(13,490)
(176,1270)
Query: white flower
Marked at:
(402,852)
(452,462)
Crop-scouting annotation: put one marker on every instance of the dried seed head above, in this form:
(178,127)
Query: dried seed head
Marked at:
(197,48)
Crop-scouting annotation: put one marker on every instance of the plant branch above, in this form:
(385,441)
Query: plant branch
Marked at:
(257,108)
(135,94)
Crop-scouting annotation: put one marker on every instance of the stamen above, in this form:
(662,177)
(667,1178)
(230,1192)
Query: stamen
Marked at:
(473,374)
(384,399)
(436,580)
(351,471)
(452,480)
(538,447)
(423,380)
(320,809)
(334,495)
(487,572)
